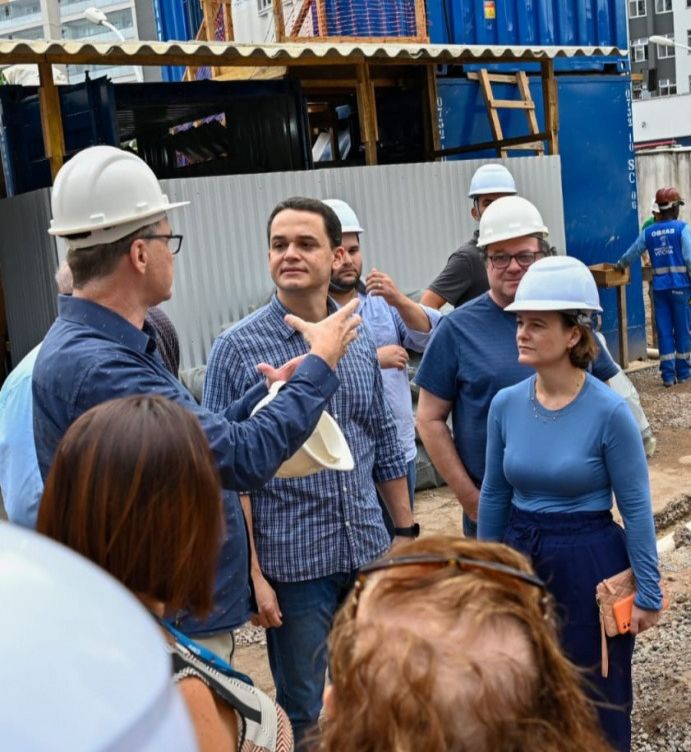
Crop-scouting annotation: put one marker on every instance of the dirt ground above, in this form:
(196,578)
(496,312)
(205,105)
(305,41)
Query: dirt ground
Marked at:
(662,715)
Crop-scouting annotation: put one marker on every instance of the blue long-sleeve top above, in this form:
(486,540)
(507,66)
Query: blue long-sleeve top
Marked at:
(635,250)
(571,460)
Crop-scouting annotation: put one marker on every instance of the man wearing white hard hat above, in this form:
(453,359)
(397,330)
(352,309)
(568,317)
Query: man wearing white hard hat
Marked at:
(473,353)
(464,277)
(395,322)
(311,534)
(108,205)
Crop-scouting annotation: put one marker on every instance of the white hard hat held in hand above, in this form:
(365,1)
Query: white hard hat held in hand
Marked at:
(84,665)
(325,449)
(557,283)
(105,193)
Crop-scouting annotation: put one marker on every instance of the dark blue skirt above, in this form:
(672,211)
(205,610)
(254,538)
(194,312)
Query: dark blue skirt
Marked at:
(572,553)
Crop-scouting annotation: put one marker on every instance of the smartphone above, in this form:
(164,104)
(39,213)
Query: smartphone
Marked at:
(622,613)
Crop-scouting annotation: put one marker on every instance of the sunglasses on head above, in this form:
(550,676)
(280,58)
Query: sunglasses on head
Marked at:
(460,563)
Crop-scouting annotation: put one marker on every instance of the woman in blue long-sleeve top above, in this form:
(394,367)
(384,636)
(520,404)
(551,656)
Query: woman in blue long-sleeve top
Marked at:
(560,444)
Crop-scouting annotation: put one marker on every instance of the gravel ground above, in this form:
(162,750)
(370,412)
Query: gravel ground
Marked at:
(662,664)
(664,408)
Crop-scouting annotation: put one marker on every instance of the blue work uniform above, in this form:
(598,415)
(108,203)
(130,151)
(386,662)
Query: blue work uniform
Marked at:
(669,246)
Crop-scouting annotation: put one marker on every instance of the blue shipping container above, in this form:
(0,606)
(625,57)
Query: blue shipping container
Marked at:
(598,171)
(578,23)
(177,20)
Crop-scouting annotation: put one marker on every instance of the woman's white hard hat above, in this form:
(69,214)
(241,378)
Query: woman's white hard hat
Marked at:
(557,283)
(325,449)
(84,665)
(510,217)
(346,215)
(105,193)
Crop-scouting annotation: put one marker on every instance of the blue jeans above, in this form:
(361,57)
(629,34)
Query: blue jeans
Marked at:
(297,650)
(411,475)
(672,324)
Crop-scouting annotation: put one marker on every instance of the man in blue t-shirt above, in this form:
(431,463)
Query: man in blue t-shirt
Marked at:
(668,242)
(473,354)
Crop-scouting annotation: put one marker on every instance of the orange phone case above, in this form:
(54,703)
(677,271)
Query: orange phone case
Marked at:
(622,613)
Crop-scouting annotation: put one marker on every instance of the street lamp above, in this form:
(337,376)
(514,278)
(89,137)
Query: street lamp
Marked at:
(98,17)
(667,42)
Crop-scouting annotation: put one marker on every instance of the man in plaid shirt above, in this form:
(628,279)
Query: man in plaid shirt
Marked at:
(310,535)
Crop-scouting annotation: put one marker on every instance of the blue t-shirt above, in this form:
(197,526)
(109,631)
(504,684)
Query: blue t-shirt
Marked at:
(570,460)
(472,356)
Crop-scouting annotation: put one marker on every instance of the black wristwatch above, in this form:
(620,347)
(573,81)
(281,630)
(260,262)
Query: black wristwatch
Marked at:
(407,532)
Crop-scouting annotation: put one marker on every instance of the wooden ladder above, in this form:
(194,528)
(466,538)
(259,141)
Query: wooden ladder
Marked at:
(525,103)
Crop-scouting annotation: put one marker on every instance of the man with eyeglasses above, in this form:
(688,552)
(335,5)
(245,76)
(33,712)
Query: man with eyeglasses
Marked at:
(109,207)
(473,354)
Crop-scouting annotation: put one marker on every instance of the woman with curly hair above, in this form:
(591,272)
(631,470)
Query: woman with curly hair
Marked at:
(134,488)
(449,645)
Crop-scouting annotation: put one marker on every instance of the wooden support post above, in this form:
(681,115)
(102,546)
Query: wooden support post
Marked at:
(648,277)
(421,22)
(228,21)
(321,18)
(551,105)
(51,118)
(623,325)
(279,20)
(432,130)
(367,113)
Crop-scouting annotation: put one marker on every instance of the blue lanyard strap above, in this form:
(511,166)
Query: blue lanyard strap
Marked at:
(205,654)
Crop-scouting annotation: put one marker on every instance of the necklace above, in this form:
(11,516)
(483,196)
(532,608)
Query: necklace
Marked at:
(539,410)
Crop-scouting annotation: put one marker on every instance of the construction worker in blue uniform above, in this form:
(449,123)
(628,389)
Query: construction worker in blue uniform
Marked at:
(668,242)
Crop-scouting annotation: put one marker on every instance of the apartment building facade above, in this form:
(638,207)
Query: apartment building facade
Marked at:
(663,70)
(64,19)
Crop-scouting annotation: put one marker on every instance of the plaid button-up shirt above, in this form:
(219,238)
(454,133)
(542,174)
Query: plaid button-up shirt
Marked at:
(330,522)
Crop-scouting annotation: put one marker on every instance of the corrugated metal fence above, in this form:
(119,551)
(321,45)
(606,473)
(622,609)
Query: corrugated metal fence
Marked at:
(414,216)
(656,169)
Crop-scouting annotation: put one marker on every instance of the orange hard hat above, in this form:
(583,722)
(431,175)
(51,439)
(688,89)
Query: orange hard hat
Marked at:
(668,198)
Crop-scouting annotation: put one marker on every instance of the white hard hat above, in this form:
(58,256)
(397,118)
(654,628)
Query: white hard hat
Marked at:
(326,448)
(107,193)
(491,178)
(557,283)
(84,665)
(510,217)
(346,215)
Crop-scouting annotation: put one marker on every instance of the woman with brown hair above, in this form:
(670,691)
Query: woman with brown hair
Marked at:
(134,488)
(560,446)
(449,646)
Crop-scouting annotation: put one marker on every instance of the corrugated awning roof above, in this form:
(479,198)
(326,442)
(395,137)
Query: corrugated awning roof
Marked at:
(222,54)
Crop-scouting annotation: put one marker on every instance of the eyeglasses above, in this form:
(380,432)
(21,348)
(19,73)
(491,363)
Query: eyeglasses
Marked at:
(524,259)
(174,242)
(460,563)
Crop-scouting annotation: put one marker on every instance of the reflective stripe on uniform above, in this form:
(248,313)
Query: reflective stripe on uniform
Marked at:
(670,270)
(668,356)
(683,356)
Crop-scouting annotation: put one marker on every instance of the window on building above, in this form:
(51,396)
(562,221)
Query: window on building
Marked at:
(688,41)
(665,51)
(637,8)
(663,6)
(263,6)
(639,50)
(666,88)
(637,89)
